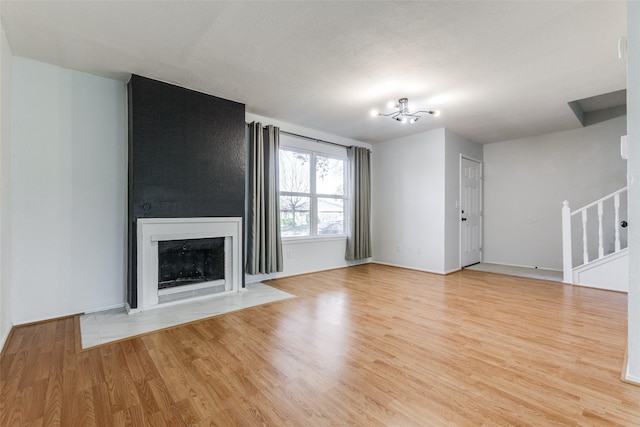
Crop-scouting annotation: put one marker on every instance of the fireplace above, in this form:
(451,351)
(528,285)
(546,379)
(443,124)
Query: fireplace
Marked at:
(186,154)
(182,259)
(188,262)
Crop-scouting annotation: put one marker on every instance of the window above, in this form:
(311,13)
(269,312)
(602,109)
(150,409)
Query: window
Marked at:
(312,193)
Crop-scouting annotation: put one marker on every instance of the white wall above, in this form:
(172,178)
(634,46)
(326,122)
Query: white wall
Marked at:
(455,146)
(416,188)
(309,255)
(68,188)
(6,315)
(633,128)
(408,201)
(526,180)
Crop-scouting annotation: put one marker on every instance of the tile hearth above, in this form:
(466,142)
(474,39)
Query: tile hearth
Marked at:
(112,325)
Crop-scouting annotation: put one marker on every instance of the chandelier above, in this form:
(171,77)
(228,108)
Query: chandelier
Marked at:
(403,114)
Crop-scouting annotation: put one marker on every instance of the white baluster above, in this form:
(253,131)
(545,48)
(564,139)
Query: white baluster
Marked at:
(567,256)
(566,230)
(616,225)
(585,250)
(600,233)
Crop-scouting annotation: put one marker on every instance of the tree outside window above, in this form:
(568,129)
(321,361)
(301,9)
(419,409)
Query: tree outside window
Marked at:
(312,196)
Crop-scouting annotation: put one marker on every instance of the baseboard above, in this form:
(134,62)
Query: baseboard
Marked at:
(595,287)
(442,273)
(524,266)
(110,307)
(257,278)
(282,276)
(65,316)
(5,339)
(261,278)
(37,322)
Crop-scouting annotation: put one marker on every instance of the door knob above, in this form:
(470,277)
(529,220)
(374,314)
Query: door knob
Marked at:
(624,224)
(464,219)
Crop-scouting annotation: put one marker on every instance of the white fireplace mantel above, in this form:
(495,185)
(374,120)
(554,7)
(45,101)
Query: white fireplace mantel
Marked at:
(150,231)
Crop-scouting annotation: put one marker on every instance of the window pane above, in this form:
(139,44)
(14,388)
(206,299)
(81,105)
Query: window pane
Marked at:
(294,216)
(294,171)
(329,176)
(330,216)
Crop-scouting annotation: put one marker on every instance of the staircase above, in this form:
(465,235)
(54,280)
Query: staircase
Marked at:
(594,243)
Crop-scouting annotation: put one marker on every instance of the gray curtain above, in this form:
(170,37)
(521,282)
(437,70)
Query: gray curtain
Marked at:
(264,244)
(359,240)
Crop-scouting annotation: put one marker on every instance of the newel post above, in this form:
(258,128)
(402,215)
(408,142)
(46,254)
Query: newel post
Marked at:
(567,258)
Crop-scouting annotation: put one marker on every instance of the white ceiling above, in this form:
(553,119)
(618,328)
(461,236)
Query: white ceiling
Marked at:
(497,70)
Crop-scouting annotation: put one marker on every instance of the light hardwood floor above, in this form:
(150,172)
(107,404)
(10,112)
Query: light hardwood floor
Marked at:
(368,346)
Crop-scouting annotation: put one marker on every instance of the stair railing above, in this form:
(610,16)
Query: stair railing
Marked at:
(567,254)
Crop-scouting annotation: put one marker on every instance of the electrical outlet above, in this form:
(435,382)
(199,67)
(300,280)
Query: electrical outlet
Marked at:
(419,251)
(397,248)
(288,254)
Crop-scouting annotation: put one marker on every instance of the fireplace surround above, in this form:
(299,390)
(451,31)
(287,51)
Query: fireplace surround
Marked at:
(187,154)
(151,231)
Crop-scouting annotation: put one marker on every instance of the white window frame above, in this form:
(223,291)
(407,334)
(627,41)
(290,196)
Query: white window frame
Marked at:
(313,195)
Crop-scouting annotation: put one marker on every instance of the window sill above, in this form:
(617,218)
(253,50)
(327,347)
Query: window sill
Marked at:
(312,239)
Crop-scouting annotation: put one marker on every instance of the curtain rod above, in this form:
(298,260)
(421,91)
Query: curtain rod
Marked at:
(309,138)
(313,139)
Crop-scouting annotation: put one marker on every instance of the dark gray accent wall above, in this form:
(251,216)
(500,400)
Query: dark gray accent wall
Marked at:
(186,158)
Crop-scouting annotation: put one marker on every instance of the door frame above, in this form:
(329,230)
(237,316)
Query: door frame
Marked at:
(459,207)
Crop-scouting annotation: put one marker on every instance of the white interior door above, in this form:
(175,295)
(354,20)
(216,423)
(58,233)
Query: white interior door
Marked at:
(470,212)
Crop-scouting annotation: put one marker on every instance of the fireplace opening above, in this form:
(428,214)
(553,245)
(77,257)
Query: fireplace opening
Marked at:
(191,261)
